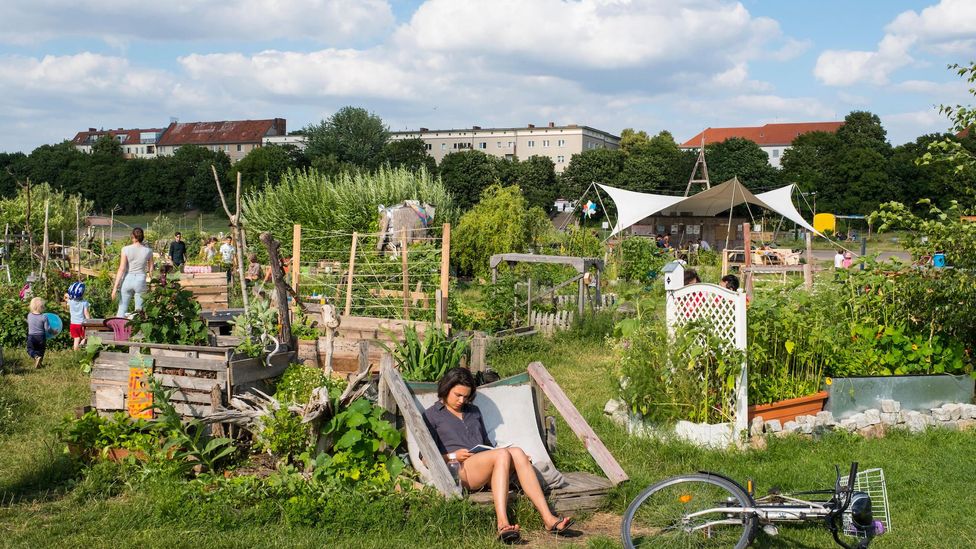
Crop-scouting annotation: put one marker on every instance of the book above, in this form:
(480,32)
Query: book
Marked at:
(482,448)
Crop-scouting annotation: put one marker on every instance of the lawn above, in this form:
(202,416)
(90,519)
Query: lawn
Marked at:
(928,476)
(211,223)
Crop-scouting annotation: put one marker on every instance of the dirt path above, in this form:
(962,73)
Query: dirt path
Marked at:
(606,525)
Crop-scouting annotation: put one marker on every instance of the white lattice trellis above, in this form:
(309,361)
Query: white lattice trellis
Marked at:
(726,311)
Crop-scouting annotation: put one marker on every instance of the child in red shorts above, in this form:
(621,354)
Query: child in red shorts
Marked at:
(79,310)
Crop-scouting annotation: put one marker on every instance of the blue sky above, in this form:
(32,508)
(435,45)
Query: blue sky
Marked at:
(652,65)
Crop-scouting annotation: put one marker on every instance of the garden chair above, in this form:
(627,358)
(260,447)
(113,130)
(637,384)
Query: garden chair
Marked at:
(120,327)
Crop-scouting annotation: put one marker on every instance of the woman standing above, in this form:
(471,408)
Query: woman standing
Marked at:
(136,261)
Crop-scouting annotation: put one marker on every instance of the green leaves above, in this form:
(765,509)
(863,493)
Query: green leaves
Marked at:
(170,314)
(429,358)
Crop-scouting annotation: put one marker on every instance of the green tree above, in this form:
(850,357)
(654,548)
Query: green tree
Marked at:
(107,145)
(742,158)
(499,223)
(864,173)
(192,164)
(408,153)
(537,179)
(914,181)
(352,135)
(811,161)
(466,174)
(864,129)
(12,166)
(262,165)
(960,154)
(595,165)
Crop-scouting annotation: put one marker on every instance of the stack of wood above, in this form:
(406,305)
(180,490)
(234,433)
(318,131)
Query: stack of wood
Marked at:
(209,289)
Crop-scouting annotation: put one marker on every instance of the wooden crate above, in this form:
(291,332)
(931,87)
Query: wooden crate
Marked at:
(209,289)
(198,375)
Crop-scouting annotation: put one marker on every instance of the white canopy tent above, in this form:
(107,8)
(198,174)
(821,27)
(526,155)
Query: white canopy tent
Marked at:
(634,206)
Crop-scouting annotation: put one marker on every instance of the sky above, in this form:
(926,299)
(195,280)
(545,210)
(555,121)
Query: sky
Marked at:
(652,65)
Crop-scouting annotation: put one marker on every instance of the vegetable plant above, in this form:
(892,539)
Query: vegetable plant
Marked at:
(255,327)
(427,359)
(362,444)
(170,314)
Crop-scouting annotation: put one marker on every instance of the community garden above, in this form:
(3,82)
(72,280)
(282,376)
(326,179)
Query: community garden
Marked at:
(284,428)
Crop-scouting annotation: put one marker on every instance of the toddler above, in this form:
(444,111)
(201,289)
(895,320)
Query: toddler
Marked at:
(37,329)
(80,310)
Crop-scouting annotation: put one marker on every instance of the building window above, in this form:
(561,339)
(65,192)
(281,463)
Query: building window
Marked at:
(545,143)
(443,146)
(240,148)
(428,146)
(511,144)
(560,159)
(775,153)
(499,145)
(483,145)
(561,143)
(531,144)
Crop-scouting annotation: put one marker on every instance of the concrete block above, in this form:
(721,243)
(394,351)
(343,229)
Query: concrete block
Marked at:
(876,430)
(756,428)
(825,418)
(916,423)
(774,426)
(719,435)
(848,424)
(890,406)
(872,416)
(861,420)
(954,410)
(941,414)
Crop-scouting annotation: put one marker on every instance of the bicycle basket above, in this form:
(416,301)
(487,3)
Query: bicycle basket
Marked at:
(872,483)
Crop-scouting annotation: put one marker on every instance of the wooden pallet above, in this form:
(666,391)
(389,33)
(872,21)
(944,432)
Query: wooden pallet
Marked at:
(583,492)
(209,289)
(200,377)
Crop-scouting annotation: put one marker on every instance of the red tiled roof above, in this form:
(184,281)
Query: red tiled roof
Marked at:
(132,136)
(212,133)
(766,136)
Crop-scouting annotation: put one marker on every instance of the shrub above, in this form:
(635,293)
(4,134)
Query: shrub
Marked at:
(360,434)
(427,359)
(283,435)
(296,384)
(497,224)
(170,314)
(642,259)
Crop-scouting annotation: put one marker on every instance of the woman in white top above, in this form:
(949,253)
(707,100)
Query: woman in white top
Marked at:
(135,262)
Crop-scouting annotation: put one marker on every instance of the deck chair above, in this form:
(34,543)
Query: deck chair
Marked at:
(510,416)
(120,327)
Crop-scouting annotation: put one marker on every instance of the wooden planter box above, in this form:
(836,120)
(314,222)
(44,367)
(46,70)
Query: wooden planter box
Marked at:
(308,352)
(788,410)
(200,376)
(209,289)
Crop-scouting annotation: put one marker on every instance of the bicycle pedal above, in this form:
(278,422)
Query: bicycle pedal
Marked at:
(770,530)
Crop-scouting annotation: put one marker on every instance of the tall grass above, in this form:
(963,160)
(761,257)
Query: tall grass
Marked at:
(340,204)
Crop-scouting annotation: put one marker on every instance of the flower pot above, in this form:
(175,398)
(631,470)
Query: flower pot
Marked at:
(119,454)
(850,395)
(788,410)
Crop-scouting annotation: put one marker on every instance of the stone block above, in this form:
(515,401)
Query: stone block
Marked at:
(876,430)
(890,418)
(758,443)
(807,428)
(954,411)
(848,424)
(916,423)
(719,435)
(861,420)
(803,420)
(774,426)
(969,411)
(825,418)
(889,406)
(873,416)
(941,414)
(791,426)
(756,428)
(966,424)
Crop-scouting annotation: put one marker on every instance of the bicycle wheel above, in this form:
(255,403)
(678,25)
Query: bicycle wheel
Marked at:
(683,511)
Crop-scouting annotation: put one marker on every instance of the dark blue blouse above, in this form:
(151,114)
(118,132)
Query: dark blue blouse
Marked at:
(451,433)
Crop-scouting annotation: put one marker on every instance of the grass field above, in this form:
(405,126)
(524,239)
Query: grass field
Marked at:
(929,478)
(212,223)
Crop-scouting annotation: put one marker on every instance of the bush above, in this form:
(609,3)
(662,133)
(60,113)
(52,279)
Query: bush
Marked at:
(499,223)
(296,384)
(170,314)
(642,259)
(283,435)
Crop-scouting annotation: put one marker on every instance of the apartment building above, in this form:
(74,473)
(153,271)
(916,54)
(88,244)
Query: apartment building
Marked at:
(135,143)
(235,138)
(773,139)
(559,143)
(297,141)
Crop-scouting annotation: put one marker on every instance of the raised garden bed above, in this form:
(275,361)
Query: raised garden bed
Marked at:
(201,376)
(851,395)
(788,410)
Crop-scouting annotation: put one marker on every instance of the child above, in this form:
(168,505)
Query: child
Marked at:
(253,273)
(79,312)
(227,252)
(37,329)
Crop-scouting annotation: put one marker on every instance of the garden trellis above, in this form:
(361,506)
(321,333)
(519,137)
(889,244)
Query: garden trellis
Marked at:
(408,282)
(725,310)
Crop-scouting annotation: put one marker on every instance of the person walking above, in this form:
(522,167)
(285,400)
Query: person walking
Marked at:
(136,261)
(80,310)
(38,329)
(227,252)
(839,259)
(177,252)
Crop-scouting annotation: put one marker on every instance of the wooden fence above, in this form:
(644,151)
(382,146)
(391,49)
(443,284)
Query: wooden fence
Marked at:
(549,323)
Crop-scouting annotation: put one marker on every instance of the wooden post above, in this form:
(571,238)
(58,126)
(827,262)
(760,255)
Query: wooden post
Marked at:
(808,268)
(403,271)
(296,256)
(352,266)
(579,297)
(47,243)
(725,262)
(78,235)
(280,286)
(363,356)
(747,246)
(565,407)
(384,397)
(445,268)
(479,348)
(235,223)
(438,311)
(528,299)
(330,322)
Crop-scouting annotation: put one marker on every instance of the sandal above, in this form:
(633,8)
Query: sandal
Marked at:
(565,521)
(509,535)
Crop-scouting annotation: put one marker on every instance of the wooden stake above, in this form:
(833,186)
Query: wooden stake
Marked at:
(296,256)
(808,268)
(445,269)
(747,246)
(78,235)
(352,266)
(403,272)
(330,321)
(236,227)
(47,243)
(280,286)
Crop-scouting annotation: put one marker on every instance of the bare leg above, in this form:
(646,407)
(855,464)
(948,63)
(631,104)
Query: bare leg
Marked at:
(493,466)
(530,485)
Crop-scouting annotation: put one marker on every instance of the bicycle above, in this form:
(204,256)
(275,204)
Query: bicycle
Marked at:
(712,510)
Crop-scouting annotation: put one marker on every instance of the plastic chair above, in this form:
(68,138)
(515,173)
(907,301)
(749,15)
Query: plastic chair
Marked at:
(120,327)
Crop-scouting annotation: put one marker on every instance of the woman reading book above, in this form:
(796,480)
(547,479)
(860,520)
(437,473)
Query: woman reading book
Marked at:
(457,427)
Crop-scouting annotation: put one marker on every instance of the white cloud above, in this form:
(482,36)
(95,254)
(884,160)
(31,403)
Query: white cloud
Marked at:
(947,27)
(115,21)
(907,126)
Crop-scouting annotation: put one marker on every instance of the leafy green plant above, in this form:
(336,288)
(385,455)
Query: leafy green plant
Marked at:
(298,380)
(170,314)
(283,435)
(87,354)
(187,443)
(642,259)
(359,434)
(255,327)
(427,359)
(690,374)
(892,350)
(13,322)
(92,434)
(302,327)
